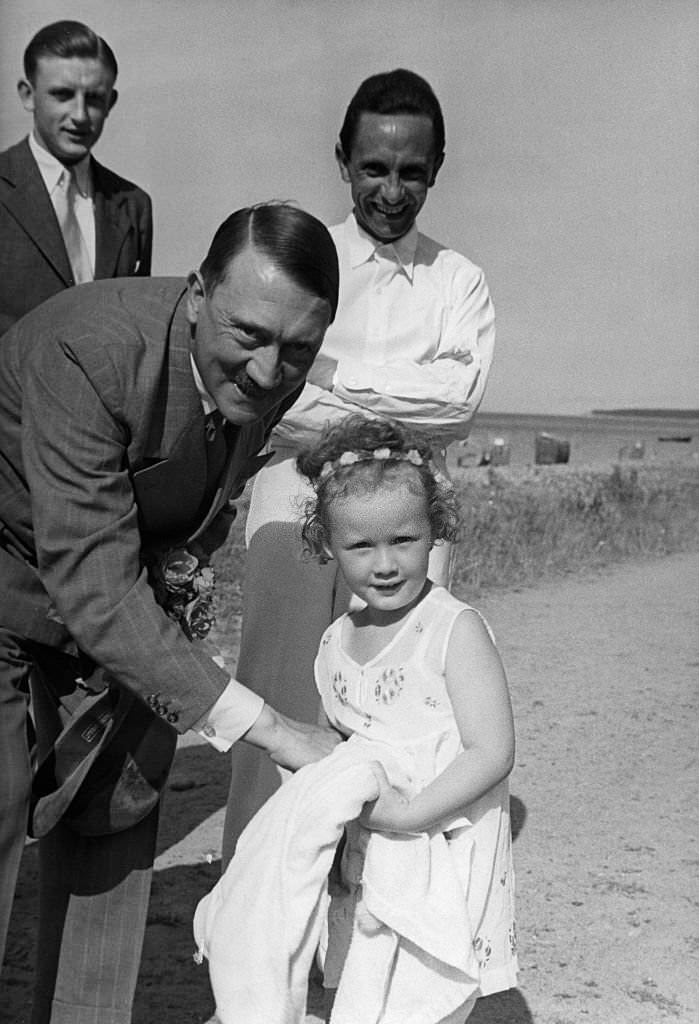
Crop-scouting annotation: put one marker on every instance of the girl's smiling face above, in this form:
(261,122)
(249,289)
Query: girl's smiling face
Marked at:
(381,541)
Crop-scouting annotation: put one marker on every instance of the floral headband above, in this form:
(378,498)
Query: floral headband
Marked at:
(378,455)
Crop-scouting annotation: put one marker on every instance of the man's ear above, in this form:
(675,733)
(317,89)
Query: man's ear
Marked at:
(342,163)
(327,553)
(196,294)
(25,91)
(437,165)
(112,100)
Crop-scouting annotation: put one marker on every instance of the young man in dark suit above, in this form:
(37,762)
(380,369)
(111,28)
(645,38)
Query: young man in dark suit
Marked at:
(64,218)
(116,483)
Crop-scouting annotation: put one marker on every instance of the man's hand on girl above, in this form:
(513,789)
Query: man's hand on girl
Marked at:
(289,743)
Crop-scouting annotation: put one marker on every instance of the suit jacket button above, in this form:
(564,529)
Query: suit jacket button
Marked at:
(161,709)
(173,717)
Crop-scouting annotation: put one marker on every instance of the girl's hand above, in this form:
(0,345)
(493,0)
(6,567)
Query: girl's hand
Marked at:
(387,811)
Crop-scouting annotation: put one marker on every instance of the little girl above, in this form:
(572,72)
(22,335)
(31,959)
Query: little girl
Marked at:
(421,920)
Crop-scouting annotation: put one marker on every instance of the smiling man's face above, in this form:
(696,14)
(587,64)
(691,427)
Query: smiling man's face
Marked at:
(70,99)
(254,336)
(390,168)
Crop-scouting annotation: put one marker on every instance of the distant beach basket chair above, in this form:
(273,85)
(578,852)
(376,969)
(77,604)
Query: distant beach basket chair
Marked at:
(549,450)
(497,453)
(637,450)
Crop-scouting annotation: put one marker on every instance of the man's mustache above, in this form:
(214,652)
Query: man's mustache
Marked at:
(244,382)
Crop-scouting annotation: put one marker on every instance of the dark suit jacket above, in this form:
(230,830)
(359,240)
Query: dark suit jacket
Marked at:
(103,457)
(33,260)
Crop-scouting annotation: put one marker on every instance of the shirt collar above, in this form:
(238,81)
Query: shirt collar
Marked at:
(51,169)
(206,399)
(362,247)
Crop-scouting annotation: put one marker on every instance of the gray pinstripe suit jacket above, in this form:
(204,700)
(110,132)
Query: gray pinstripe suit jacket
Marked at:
(102,456)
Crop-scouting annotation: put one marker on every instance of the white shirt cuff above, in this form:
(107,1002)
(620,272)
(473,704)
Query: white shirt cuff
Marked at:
(235,711)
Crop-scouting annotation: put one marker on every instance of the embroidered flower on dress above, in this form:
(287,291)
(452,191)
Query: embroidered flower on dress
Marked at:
(339,685)
(431,702)
(389,685)
(419,628)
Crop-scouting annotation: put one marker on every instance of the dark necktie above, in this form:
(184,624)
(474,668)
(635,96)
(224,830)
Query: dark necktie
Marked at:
(216,447)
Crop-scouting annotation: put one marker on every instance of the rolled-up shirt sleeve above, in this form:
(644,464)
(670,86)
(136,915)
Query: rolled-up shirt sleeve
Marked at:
(442,394)
(417,349)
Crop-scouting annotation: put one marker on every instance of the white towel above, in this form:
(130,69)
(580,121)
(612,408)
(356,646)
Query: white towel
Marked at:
(260,925)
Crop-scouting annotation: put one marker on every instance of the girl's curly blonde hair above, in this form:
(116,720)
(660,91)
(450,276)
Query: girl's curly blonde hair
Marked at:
(361,453)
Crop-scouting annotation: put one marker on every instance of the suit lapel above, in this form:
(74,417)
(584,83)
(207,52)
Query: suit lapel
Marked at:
(169,491)
(31,207)
(170,482)
(178,409)
(112,224)
(244,460)
(242,463)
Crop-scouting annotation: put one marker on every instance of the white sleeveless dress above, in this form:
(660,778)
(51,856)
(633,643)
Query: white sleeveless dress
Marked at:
(399,698)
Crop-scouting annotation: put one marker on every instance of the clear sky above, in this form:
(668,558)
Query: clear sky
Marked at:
(572,169)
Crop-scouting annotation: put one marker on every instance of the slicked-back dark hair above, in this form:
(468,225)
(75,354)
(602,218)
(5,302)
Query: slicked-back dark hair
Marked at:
(393,92)
(294,241)
(67,39)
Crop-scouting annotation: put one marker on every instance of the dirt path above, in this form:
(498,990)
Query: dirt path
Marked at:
(604,675)
(605,682)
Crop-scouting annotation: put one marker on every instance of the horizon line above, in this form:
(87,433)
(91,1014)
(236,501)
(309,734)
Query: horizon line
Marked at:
(658,412)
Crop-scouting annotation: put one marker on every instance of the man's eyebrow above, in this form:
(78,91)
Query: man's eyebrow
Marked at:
(244,325)
(256,330)
(96,91)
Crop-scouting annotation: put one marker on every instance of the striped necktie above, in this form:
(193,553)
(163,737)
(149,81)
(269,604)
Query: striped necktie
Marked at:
(65,198)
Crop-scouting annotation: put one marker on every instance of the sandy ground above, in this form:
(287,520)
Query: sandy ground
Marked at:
(603,673)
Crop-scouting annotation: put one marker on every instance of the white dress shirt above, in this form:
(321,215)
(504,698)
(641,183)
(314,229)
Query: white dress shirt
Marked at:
(51,171)
(413,339)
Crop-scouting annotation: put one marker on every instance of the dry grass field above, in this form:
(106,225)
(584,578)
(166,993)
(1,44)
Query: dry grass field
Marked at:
(522,525)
